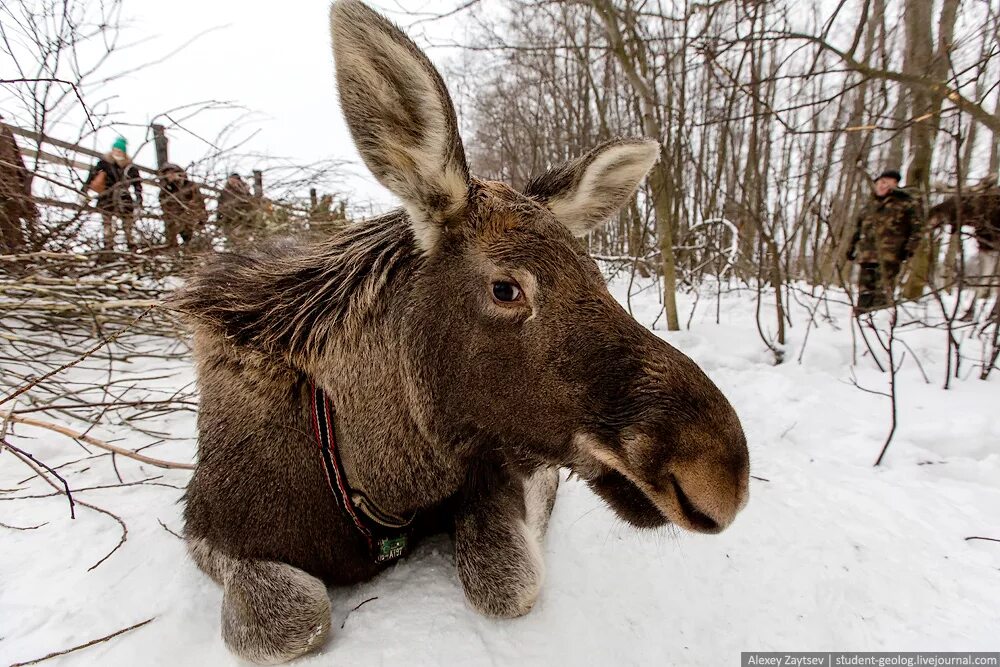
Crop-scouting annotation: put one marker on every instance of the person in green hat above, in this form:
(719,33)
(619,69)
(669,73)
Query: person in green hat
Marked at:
(112,178)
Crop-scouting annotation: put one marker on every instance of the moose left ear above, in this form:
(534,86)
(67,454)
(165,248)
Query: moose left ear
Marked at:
(401,118)
(584,193)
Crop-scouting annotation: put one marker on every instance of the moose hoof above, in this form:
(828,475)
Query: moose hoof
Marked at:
(505,603)
(273,612)
(502,583)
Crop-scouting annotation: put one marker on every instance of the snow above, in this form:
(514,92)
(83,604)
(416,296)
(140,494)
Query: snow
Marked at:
(830,554)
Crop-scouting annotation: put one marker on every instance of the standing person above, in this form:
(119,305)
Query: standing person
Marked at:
(886,234)
(16,204)
(111,179)
(182,204)
(235,208)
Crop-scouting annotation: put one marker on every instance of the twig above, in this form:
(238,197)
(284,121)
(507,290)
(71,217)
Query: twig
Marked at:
(4,525)
(857,385)
(83,646)
(974,537)
(893,369)
(355,609)
(35,465)
(167,528)
(121,540)
(861,329)
(913,355)
(75,87)
(98,487)
(90,440)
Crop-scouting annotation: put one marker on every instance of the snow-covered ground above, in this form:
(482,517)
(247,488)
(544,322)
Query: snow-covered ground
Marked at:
(830,554)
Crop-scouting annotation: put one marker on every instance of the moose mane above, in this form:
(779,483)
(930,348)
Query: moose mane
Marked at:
(288,298)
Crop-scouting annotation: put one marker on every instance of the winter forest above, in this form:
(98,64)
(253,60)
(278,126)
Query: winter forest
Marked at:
(532,360)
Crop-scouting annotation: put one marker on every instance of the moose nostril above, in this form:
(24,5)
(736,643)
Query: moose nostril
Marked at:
(699,520)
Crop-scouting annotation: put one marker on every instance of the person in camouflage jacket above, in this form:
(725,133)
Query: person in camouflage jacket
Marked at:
(18,212)
(886,234)
(182,204)
(235,212)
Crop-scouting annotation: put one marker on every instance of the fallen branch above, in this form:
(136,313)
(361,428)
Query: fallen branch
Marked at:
(40,305)
(352,611)
(91,440)
(167,528)
(37,467)
(83,646)
(121,540)
(33,463)
(8,526)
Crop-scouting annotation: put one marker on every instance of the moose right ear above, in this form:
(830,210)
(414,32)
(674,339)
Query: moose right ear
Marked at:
(401,118)
(584,193)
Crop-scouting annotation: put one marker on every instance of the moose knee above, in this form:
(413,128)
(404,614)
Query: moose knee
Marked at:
(273,612)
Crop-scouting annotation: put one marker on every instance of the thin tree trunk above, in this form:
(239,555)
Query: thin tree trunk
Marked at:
(659,177)
(927,106)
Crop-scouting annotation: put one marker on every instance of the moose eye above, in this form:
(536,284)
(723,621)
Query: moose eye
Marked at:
(506,291)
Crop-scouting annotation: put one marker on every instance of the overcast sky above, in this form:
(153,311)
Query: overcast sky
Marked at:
(272,57)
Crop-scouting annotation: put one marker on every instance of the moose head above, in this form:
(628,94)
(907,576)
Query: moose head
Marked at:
(509,332)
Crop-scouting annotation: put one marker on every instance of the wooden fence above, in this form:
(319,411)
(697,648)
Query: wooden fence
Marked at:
(150,175)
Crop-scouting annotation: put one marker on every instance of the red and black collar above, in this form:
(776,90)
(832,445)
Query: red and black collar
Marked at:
(387,535)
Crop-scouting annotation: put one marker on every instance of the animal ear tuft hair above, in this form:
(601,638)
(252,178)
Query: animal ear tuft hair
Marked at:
(584,193)
(401,118)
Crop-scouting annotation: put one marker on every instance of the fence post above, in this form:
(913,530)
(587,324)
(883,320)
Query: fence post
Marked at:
(258,184)
(160,142)
(313,199)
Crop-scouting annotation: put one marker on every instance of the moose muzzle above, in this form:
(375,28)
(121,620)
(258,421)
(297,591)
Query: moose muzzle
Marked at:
(679,457)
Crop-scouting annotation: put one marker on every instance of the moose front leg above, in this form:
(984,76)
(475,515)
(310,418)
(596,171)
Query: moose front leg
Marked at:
(498,539)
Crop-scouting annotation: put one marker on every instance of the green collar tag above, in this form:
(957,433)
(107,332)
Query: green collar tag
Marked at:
(391,548)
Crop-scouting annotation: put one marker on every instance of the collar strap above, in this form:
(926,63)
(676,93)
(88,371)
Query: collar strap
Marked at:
(385,533)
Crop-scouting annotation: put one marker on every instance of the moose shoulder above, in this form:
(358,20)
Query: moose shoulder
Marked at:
(431,370)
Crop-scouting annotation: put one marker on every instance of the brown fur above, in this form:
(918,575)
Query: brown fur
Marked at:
(979,210)
(450,403)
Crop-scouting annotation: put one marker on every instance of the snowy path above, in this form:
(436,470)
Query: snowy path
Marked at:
(830,554)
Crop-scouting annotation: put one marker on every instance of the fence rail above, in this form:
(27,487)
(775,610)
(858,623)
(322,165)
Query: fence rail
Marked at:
(150,175)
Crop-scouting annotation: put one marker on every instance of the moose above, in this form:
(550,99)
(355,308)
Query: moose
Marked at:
(978,208)
(430,371)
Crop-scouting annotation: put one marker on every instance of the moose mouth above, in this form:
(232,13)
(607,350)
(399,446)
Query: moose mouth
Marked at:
(627,500)
(676,493)
(630,503)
